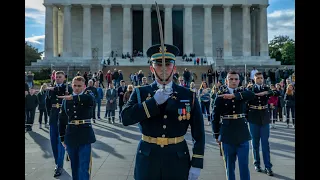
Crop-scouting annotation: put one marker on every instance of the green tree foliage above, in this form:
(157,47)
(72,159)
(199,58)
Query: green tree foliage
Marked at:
(282,48)
(288,53)
(43,74)
(31,54)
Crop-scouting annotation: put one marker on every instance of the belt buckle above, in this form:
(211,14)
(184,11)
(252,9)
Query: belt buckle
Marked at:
(259,107)
(235,116)
(162,141)
(57,105)
(76,122)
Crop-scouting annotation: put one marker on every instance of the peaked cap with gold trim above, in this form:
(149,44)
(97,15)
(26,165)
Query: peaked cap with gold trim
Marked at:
(170,53)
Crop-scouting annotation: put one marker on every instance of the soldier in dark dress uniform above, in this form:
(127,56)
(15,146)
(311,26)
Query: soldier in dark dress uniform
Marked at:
(59,89)
(164,115)
(259,120)
(232,133)
(75,128)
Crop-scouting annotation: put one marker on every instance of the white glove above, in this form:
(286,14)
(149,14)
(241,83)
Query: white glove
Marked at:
(194,173)
(161,96)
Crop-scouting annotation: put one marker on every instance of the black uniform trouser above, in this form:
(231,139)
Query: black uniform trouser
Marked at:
(120,110)
(206,106)
(43,112)
(101,83)
(280,112)
(273,114)
(293,113)
(94,111)
(30,117)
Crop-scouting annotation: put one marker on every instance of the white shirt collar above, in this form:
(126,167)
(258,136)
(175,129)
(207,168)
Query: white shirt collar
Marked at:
(231,90)
(77,94)
(167,86)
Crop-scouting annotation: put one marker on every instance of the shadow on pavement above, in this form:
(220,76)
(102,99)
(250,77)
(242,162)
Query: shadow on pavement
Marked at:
(43,142)
(104,147)
(280,177)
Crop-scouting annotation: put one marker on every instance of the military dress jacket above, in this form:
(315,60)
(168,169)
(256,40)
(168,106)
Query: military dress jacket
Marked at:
(79,108)
(53,103)
(257,110)
(170,119)
(225,128)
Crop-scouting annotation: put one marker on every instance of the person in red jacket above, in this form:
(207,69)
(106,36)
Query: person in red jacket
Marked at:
(109,78)
(273,104)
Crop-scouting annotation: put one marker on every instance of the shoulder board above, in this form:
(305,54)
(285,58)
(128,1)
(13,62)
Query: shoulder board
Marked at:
(239,89)
(88,91)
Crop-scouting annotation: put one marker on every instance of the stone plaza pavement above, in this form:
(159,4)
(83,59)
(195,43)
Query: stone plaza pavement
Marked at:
(115,149)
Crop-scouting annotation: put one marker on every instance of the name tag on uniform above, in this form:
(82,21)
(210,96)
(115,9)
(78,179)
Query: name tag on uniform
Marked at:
(185,100)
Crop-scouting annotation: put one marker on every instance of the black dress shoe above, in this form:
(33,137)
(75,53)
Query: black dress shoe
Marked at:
(57,172)
(258,168)
(268,171)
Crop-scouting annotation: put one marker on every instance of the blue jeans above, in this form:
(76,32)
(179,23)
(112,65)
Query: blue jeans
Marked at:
(260,132)
(81,161)
(230,153)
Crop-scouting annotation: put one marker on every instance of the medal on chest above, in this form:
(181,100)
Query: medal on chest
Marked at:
(188,109)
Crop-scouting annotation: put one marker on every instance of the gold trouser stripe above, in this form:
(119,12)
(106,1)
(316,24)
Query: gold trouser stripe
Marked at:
(90,164)
(224,161)
(241,95)
(252,152)
(146,109)
(197,156)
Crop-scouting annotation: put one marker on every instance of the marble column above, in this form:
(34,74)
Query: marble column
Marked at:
(127,29)
(208,31)
(253,32)
(60,31)
(227,35)
(55,31)
(86,41)
(168,37)
(147,38)
(67,47)
(188,36)
(246,30)
(264,51)
(106,31)
(48,48)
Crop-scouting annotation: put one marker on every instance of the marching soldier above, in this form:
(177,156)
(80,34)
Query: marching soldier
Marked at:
(59,89)
(75,128)
(164,115)
(232,133)
(259,119)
